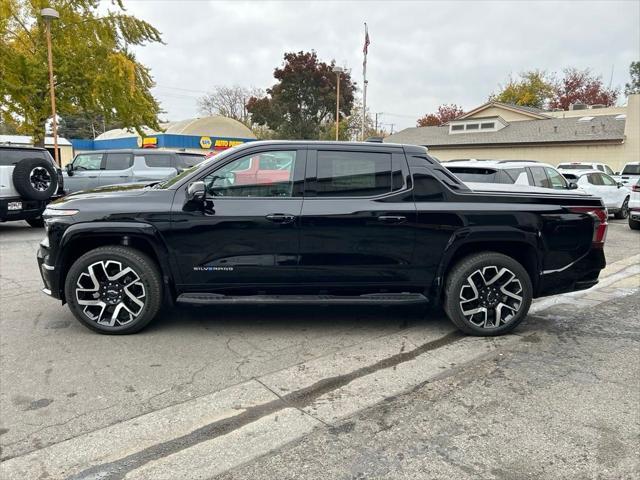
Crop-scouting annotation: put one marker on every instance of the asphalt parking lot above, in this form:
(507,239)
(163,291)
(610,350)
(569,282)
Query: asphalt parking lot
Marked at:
(323,393)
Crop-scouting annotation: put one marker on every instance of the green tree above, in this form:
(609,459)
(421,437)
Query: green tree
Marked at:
(304,99)
(633,87)
(533,88)
(94,69)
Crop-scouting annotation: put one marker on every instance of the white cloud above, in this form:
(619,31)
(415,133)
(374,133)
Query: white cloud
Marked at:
(422,54)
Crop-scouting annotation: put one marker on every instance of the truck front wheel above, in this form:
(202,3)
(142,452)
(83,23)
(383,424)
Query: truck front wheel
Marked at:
(487,294)
(114,290)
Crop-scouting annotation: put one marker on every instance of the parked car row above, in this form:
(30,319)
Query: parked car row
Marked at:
(597,179)
(30,179)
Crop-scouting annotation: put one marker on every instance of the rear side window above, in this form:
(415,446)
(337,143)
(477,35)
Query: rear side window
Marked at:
(11,157)
(595,179)
(353,174)
(118,161)
(540,178)
(557,180)
(601,168)
(184,161)
(511,175)
(159,160)
(473,174)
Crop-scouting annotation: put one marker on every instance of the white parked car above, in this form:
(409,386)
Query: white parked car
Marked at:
(630,174)
(603,167)
(634,207)
(514,172)
(614,195)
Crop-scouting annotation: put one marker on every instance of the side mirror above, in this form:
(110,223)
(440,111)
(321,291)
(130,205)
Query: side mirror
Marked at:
(196,192)
(617,173)
(573,186)
(620,184)
(69,167)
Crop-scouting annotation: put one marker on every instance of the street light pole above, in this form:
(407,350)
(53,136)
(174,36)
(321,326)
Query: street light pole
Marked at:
(49,14)
(338,71)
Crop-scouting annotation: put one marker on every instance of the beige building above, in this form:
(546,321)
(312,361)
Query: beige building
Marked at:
(510,132)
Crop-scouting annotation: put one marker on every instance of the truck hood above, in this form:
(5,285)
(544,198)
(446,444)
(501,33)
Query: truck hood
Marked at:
(122,189)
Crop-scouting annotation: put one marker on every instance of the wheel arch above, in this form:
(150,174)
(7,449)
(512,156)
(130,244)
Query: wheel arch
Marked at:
(82,238)
(524,252)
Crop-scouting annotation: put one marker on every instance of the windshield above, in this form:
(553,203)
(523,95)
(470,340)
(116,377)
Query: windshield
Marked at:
(202,165)
(631,170)
(471,174)
(574,166)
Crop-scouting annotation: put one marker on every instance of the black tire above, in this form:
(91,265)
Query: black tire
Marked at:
(35,179)
(37,222)
(634,224)
(466,270)
(624,210)
(142,266)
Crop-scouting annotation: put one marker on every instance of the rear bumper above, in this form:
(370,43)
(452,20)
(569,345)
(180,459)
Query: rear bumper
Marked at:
(634,214)
(579,275)
(30,209)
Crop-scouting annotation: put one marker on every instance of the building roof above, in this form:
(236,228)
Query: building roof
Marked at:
(549,130)
(26,140)
(215,125)
(532,112)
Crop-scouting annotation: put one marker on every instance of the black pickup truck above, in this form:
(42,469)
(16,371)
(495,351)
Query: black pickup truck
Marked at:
(318,222)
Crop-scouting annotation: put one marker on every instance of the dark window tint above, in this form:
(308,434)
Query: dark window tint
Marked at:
(600,167)
(184,160)
(511,175)
(353,174)
(457,127)
(631,170)
(472,126)
(11,157)
(608,170)
(158,160)
(118,161)
(595,179)
(487,125)
(473,174)
(540,178)
(574,166)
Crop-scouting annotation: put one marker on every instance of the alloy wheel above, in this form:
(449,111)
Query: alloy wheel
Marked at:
(40,179)
(110,294)
(624,211)
(491,297)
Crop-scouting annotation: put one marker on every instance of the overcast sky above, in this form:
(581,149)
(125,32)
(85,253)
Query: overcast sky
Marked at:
(422,54)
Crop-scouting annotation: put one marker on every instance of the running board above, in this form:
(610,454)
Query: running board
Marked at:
(369,299)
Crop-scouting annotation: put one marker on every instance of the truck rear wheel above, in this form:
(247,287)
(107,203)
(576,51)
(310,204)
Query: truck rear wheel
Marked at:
(487,294)
(114,290)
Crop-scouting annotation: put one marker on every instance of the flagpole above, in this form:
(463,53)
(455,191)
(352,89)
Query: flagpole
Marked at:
(364,75)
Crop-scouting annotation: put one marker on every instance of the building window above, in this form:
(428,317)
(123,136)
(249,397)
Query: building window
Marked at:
(457,127)
(472,126)
(486,126)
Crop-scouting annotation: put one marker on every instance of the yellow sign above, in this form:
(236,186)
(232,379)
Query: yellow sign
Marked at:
(227,143)
(205,142)
(149,142)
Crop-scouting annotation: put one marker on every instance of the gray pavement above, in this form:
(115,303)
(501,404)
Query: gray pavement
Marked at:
(59,381)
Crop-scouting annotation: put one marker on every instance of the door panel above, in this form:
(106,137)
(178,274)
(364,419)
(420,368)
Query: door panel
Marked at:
(240,240)
(355,240)
(118,169)
(86,171)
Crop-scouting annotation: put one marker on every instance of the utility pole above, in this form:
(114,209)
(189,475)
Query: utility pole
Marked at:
(49,14)
(365,82)
(338,71)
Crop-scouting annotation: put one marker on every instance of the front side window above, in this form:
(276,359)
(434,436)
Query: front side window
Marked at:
(246,177)
(352,174)
(118,161)
(87,161)
(608,171)
(595,179)
(608,181)
(557,180)
(540,178)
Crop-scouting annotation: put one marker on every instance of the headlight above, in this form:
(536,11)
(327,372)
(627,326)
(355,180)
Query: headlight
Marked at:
(58,212)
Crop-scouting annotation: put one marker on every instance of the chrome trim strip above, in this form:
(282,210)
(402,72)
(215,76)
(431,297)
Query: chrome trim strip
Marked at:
(547,272)
(48,267)
(47,291)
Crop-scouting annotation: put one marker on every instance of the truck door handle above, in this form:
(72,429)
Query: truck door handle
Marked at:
(281,218)
(392,219)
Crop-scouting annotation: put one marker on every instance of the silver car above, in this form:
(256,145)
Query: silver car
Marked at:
(109,167)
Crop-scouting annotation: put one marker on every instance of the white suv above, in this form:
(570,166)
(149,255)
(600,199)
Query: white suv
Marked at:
(29,179)
(634,206)
(603,167)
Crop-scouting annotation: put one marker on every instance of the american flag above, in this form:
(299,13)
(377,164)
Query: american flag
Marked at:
(366,40)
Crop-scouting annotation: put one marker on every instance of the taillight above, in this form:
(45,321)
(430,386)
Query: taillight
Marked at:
(636,187)
(600,223)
